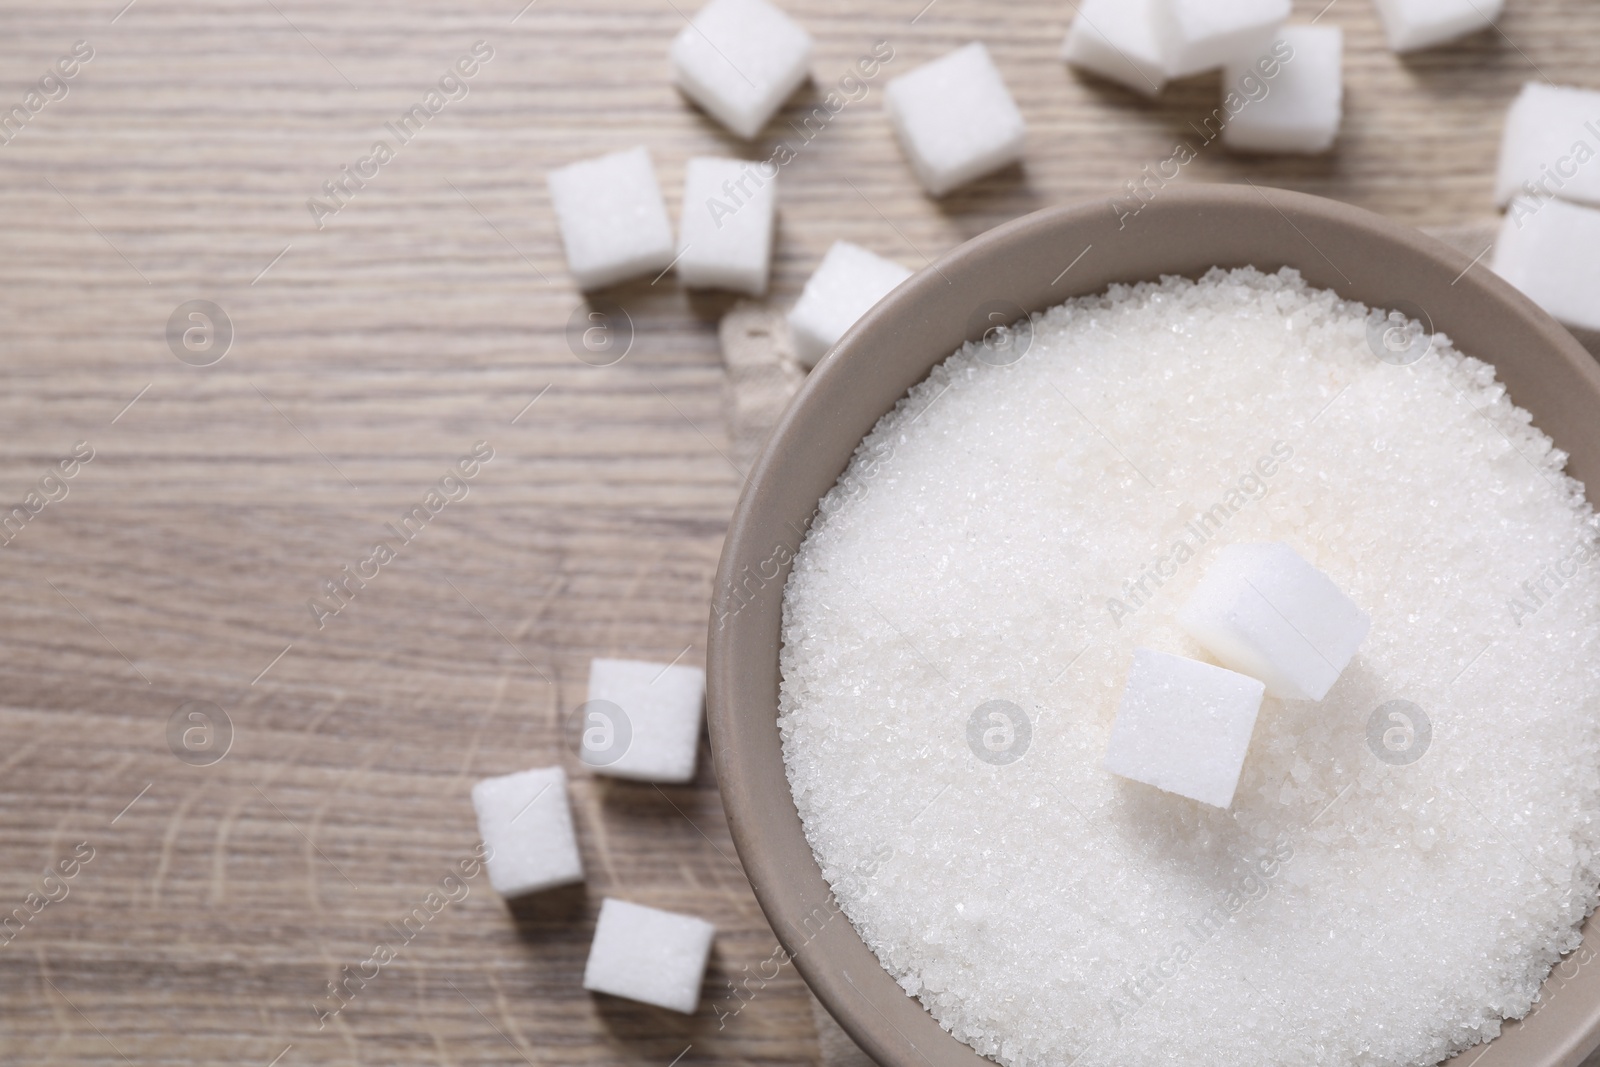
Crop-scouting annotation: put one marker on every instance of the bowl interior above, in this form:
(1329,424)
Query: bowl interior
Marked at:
(1028,265)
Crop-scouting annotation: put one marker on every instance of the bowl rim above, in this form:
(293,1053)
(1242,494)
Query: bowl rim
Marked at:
(746,609)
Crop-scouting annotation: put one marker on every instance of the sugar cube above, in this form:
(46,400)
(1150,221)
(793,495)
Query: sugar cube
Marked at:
(1550,249)
(649,955)
(1262,610)
(843,288)
(1551,139)
(613,221)
(659,732)
(1300,112)
(1117,39)
(1183,726)
(1199,35)
(740,59)
(1413,24)
(955,119)
(725,234)
(525,821)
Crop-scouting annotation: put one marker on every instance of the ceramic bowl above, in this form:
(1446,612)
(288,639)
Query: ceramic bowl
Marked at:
(1028,265)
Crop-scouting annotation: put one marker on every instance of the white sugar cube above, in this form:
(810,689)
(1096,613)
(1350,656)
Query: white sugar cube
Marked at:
(1551,139)
(1413,24)
(1183,726)
(841,290)
(613,221)
(1550,249)
(740,60)
(725,234)
(649,955)
(525,821)
(1300,112)
(1198,35)
(955,119)
(1264,611)
(1117,39)
(657,733)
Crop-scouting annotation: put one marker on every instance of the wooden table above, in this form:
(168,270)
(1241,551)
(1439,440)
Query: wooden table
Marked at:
(429,313)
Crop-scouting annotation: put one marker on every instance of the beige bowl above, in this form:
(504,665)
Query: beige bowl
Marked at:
(1028,265)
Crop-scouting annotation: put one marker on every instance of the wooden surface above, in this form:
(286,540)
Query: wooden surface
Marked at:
(424,317)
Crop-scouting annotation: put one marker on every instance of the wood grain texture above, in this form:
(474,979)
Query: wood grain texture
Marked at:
(420,319)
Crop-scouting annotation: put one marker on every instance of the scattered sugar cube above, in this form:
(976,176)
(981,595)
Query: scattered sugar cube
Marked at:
(662,708)
(1300,112)
(1183,726)
(649,955)
(844,287)
(1264,611)
(525,821)
(1413,24)
(613,221)
(1551,139)
(725,234)
(1117,39)
(955,119)
(740,60)
(1198,35)
(1550,249)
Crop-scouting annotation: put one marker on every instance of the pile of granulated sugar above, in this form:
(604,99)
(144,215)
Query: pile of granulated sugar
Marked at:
(1346,909)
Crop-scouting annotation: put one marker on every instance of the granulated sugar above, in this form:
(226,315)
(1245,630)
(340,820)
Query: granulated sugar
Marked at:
(1392,879)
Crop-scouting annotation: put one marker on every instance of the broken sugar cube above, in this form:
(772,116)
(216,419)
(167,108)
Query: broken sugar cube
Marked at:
(1301,112)
(1117,39)
(740,60)
(845,285)
(649,955)
(1183,726)
(1200,35)
(955,119)
(1414,24)
(1549,146)
(613,221)
(1264,611)
(1550,250)
(725,233)
(644,719)
(526,822)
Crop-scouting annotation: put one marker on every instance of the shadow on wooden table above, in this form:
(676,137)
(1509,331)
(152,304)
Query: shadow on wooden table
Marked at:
(985,203)
(1589,339)
(1437,70)
(709,305)
(619,318)
(633,1022)
(550,915)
